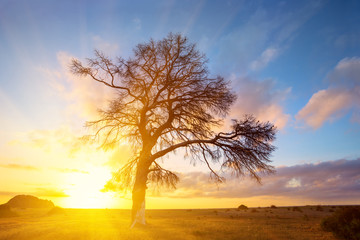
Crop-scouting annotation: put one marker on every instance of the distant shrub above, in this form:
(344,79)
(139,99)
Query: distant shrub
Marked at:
(296,209)
(344,223)
(319,208)
(242,207)
(253,210)
(199,233)
(273,206)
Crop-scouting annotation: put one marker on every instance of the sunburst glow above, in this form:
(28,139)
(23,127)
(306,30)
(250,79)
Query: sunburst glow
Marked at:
(84,190)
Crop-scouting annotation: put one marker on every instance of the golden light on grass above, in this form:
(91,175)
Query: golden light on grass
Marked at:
(265,223)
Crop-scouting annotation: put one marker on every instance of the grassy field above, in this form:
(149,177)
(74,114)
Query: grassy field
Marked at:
(253,223)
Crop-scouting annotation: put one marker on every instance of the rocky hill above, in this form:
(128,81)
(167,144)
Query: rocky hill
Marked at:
(28,201)
(5,211)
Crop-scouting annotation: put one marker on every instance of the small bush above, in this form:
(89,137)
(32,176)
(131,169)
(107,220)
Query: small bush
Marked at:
(344,223)
(296,209)
(273,206)
(199,233)
(319,208)
(254,210)
(242,207)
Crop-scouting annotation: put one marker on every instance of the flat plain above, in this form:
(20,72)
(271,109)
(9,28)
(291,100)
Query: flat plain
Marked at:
(254,223)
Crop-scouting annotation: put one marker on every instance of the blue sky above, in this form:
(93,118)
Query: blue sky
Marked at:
(295,63)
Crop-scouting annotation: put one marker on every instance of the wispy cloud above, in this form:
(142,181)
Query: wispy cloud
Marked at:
(83,97)
(49,192)
(20,167)
(33,168)
(38,192)
(348,39)
(8,193)
(261,37)
(267,56)
(342,96)
(107,47)
(71,170)
(323,182)
(198,7)
(137,23)
(49,140)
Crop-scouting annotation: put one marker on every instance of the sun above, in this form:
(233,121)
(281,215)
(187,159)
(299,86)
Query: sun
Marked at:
(89,171)
(84,190)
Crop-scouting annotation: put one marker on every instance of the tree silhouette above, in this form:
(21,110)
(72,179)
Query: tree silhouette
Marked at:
(166,101)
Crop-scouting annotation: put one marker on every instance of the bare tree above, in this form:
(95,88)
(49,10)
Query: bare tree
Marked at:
(166,101)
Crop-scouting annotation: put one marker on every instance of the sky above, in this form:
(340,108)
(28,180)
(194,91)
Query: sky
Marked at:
(293,63)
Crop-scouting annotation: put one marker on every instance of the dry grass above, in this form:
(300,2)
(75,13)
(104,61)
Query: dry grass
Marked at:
(264,223)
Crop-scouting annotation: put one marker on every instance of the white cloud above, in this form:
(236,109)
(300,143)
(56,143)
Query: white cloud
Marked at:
(267,56)
(293,183)
(341,97)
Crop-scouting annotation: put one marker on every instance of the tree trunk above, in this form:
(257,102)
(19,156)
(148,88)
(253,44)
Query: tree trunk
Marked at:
(138,196)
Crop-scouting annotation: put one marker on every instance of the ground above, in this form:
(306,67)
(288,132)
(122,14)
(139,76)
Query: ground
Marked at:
(254,223)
